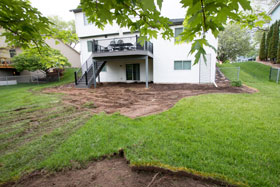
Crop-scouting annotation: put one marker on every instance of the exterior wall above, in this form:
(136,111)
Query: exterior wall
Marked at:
(275,15)
(6,72)
(116,71)
(83,30)
(165,52)
(71,54)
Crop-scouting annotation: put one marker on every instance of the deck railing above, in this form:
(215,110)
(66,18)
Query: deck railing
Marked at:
(5,63)
(120,44)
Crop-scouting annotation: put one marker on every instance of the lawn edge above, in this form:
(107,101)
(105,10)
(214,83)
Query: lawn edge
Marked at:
(135,167)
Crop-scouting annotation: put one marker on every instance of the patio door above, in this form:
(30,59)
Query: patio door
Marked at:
(132,72)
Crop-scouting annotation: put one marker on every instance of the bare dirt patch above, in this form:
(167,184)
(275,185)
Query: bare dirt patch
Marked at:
(134,100)
(108,173)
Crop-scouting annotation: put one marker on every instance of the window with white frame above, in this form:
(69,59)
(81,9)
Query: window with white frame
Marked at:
(89,45)
(182,65)
(86,22)
(178,31)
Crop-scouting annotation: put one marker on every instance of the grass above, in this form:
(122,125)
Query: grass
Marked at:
(32,125)
(233,137)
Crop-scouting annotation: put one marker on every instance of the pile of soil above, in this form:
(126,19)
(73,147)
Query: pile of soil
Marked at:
(113,172)
(134,100)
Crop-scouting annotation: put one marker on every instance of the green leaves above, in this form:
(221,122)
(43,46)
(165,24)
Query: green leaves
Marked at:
(22,23)
(233,42)
(43,59)
(198,48)
(144,16)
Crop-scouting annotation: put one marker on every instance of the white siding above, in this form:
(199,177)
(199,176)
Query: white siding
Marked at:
(70,53)
(275,16)
(116,71)
(165,53)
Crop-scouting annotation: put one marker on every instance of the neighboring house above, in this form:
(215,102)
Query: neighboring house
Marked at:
(118,57)
(6,53)
(66,50)
(274,13)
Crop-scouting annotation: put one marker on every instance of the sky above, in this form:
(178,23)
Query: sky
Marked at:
(171,8)
(62,7)
(56,7)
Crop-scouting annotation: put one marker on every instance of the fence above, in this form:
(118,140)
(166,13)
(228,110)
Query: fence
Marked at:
(274,74)
(30,79)
(231,73)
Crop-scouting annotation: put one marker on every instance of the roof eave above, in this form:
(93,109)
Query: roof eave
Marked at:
(273,8)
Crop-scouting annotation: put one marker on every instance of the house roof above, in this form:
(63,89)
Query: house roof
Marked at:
(177,21)
(77,10)
(274,8)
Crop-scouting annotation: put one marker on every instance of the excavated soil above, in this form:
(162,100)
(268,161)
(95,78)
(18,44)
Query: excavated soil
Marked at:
(134,100)
(113,172)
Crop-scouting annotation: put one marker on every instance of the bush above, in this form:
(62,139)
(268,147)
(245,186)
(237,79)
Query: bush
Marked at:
(236,83)
(43,58)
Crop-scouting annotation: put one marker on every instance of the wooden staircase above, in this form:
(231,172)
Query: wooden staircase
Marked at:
(86,76)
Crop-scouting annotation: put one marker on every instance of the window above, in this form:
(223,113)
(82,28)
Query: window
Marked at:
(178,31)
(182,65)
(86,20)
(89,45)
(104,69)
(12,53)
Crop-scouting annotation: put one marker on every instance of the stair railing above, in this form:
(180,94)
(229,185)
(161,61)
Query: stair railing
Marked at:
(81,72)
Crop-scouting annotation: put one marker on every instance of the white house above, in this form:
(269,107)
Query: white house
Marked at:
(274,13)
(118,57)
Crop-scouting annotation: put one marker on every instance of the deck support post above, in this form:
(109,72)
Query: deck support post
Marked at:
(94,73)
(147,71)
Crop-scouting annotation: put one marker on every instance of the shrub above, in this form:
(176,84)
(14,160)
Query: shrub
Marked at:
(262,52)
(236,83)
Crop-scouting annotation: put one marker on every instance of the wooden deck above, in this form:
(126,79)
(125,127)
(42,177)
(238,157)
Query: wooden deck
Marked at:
(6,66)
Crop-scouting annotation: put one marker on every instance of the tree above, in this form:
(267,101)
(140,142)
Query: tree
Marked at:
(268,39)
(201,17)
(274,42)
(65,30)
(31,60)
(262,53)
(22,23)
(233,42)
(278,54)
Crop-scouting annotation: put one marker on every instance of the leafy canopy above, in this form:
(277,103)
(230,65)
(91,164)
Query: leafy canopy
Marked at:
(31,60)
(233,42)
(64,30)
(145,16)
(24,26)
(22,23)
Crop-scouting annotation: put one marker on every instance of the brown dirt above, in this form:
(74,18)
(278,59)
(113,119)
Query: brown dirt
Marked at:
(108,173)
(134,100)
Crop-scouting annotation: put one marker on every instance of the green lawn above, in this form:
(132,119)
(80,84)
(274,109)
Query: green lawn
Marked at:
(233,137)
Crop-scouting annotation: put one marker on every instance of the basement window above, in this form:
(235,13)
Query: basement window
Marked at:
(182,65)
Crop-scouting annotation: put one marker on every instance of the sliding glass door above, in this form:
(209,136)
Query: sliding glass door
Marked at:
(133,72)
